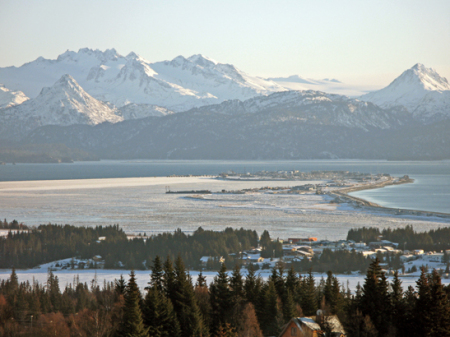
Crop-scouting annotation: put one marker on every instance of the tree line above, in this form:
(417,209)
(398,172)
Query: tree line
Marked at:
(406,237)
(47,243)
(173,304)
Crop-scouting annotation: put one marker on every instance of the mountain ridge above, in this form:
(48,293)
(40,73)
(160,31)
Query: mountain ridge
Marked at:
(178,85)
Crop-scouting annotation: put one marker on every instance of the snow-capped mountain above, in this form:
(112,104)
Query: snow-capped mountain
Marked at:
(314,107)
(10,98)
(178,85)
(64,103)
(420,89)
(208,77)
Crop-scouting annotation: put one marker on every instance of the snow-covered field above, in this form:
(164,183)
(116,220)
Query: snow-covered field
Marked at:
(143,276)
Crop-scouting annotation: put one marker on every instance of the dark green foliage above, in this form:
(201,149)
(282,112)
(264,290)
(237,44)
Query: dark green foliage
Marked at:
(159,315)
(375,300)
(432,307)
(157,274)
(12,225)
(435,239)
(270,314)
(51,242)
(54,242)
(132,324)
(308,299)
(221,299)
(376,310)
(185,304)
(252,286)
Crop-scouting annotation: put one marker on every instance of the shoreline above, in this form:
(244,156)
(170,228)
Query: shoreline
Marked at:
(342,196)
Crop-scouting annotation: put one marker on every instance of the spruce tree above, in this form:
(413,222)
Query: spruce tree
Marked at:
(375,300)
(157,274)
(272,316)
(201,280)
(385,310)
(251,290)
(168,280)
(291,282)
(236,284)
(221,299)
(308,300)
(289,307)
(328,289)
(159,316)
(120,285)
(407,326)
(185,304)
(202,297)
(440,308)
(132,324)
(398,307)
(422,315)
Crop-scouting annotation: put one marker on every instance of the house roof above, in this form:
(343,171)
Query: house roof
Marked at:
(309,322)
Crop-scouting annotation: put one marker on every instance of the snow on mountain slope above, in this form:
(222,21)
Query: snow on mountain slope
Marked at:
(136,111)
(420,89)
(10,98)
(64,103)
(314,107)
(207,76)
(32,77)
(296,82)
(178,85)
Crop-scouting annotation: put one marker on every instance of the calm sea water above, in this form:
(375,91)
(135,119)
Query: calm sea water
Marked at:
(431,190)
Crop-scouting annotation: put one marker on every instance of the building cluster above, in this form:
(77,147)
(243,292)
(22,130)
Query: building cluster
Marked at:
(298,249)
(298,175)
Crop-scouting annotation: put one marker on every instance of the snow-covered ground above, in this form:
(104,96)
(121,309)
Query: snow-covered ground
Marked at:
(143,276)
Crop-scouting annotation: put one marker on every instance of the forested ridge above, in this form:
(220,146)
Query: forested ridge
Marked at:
(47,243)
(174,304)
(25,247)
(407,237)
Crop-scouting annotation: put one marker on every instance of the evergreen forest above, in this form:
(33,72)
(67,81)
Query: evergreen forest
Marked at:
(173,304)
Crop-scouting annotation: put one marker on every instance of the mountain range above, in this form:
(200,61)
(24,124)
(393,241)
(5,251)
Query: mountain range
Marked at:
(126,107)
(178,85)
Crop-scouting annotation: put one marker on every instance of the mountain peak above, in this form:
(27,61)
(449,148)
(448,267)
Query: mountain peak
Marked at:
(423,77)
(9,98)
(132,55)
(65,103)
(418,66)
(202,60)
(66,78)
(421,90)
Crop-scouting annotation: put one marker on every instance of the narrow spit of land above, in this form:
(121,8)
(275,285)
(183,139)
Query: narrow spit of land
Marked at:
(339,185)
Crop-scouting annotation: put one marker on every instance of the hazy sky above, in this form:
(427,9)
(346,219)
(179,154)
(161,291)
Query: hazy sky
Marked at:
(368,42)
